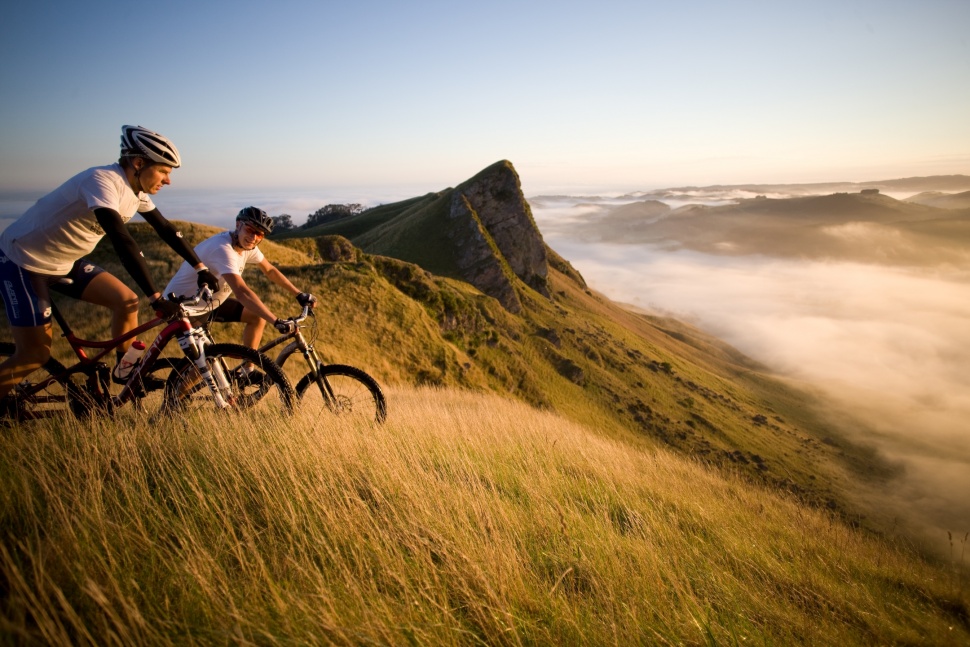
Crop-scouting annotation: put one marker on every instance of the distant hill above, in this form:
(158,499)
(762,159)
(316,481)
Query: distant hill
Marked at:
(942,200)
(481,231)
(946,183)
(865,226)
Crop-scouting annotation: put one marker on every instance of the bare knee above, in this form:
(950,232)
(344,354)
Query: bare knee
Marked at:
(127,304)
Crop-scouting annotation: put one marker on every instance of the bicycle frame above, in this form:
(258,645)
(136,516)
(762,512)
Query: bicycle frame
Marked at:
(192,340)
(299,343)
(309,353)
(91,366)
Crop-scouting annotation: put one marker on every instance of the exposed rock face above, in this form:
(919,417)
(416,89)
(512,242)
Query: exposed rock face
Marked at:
(497,237)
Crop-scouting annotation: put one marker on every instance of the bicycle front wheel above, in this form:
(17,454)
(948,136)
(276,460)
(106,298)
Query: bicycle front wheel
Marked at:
(344,391)
(185,391)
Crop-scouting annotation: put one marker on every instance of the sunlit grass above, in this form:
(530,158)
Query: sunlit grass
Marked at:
(466,519)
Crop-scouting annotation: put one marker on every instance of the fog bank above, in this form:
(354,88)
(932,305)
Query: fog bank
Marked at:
(887,347)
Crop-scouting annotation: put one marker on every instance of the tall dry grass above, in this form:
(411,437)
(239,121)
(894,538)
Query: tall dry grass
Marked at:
(466,519)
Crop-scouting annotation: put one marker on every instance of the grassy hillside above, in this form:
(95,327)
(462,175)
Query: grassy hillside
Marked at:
(634,481)
(466,519)
(642,380)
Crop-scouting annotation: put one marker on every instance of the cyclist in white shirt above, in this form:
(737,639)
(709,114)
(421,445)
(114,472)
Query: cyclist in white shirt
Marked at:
(49,241)
(226,254)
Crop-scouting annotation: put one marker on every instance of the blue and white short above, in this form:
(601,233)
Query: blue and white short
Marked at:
(26,295)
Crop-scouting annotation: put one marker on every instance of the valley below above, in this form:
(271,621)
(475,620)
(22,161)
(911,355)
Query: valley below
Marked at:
(860,299)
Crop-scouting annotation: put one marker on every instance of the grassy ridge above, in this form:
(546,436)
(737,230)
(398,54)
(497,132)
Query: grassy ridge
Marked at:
(644,380)
(467,519)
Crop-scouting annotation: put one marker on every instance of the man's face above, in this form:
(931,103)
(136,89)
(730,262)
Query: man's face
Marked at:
(248,235)
(154,176)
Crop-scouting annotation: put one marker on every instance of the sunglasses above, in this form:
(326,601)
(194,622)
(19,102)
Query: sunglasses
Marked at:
(254,231)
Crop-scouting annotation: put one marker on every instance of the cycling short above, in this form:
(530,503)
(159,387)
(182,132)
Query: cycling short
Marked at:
(26,295)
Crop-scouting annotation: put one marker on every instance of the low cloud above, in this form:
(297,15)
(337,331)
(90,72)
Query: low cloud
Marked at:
(887,347)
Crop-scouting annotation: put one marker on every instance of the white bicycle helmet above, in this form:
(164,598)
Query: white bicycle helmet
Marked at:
(138,141)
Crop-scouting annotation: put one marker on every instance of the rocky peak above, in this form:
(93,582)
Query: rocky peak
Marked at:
(496,237)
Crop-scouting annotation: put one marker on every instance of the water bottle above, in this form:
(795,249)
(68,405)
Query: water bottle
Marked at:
(130,359)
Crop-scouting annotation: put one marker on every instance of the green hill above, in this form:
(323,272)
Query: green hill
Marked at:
(557,468)
(647,380)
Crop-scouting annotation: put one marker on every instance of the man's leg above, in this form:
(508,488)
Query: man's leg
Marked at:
(27,303)
(33,348)
(108,291)
(253,331)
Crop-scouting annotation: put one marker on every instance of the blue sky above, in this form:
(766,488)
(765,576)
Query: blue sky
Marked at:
(578,95)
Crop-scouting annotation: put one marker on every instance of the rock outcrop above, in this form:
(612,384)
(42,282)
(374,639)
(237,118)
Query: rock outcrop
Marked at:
(496,237)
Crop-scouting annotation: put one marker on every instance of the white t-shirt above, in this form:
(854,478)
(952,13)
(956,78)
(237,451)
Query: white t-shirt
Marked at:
(217,254)
(61,227)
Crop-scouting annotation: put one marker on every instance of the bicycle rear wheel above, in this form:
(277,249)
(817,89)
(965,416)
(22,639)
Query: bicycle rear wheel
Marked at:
(185,391)
(344,391)
(57,397)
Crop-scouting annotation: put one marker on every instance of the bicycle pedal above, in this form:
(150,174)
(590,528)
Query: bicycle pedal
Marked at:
(250,378)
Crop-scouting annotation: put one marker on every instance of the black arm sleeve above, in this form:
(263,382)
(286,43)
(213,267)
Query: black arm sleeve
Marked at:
(172,236)
(126,247)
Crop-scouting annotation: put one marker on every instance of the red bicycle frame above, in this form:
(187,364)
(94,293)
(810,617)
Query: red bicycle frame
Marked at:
(86,363)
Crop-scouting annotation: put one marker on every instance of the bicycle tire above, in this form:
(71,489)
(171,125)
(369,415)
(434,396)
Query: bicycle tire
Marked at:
(184,390)
(59,397)
(151,394)
(288,351)
(354,392)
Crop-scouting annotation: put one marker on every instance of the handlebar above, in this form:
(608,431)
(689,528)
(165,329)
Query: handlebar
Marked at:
(300,318)
(204,293)
(307,312)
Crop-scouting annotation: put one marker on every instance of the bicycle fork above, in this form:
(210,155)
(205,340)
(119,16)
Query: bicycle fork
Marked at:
(317,377)
(193,343)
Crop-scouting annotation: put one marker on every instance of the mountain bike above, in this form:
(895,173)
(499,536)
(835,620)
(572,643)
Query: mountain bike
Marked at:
(337,389)
(83,388)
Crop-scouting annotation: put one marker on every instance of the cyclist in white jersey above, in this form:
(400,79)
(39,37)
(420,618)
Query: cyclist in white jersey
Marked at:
(226,254)
(49,242)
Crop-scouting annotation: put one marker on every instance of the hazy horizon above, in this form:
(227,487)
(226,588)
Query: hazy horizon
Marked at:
(580,94)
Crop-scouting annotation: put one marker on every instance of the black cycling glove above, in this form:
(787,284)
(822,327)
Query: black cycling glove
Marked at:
(306,299)
(165,308)
(285,326)
(208,278)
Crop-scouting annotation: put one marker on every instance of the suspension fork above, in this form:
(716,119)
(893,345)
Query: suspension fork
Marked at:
(313,361)
(193,343)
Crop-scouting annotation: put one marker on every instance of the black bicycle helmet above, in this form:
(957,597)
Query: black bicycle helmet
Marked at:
(257,218)
(137,141)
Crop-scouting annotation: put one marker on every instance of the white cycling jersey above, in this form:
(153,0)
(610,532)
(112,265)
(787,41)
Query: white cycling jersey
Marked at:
(217,253)
(61,227)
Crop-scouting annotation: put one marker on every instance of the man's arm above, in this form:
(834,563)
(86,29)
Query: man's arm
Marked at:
(127,249)
(172,236)
(277,277)
(247,297)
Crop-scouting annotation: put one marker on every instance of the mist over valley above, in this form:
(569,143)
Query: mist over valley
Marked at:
(860,298)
